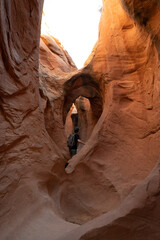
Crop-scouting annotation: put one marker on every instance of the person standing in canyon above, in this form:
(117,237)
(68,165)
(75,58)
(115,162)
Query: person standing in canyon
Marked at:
(73,141)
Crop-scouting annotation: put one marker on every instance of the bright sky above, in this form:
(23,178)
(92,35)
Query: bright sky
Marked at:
(75,24)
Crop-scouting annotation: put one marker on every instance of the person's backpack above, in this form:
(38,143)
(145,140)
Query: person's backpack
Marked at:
(71,140)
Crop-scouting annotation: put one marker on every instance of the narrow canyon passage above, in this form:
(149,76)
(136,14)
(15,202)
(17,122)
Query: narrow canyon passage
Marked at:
(110,189)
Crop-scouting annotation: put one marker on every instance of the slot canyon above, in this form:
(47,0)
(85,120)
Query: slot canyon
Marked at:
(110,189)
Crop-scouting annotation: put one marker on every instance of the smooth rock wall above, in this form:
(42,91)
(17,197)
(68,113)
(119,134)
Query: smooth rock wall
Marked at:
(38,197)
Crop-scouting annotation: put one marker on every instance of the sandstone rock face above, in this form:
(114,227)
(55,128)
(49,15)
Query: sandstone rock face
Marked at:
(54,64)
(136,218)
(27,153)
(86,124)
(124,145)
(107,180)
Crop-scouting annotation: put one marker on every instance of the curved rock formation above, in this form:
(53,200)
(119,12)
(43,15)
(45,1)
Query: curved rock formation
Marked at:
(39,199)
(54,64)
(27,153)
(124,145)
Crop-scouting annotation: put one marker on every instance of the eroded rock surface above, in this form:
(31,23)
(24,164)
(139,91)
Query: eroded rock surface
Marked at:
(54,64)
(27,153)
(124,145)
(38,197)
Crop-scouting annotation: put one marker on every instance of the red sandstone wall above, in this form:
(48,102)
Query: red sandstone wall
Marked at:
(37,196)
(124,145)
(27,152)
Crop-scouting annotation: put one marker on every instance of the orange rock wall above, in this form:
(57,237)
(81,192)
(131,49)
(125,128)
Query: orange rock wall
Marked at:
(54,64)
(38,197)
(130,66)
(27,153)
(124,145)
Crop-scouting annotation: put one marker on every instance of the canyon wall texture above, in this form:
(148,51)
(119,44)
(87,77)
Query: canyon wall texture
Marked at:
(27,152)
(111,187)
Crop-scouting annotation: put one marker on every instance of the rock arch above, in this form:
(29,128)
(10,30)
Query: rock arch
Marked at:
(83,85)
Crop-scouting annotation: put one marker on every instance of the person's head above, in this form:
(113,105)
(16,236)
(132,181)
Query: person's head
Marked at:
(76,130)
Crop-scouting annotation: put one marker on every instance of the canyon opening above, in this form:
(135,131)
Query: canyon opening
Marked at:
(74,24)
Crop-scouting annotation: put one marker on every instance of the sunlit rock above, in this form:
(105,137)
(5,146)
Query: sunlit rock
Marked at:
(110,181)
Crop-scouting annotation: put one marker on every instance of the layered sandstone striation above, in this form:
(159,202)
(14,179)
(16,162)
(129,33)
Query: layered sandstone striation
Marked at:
(109,186)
